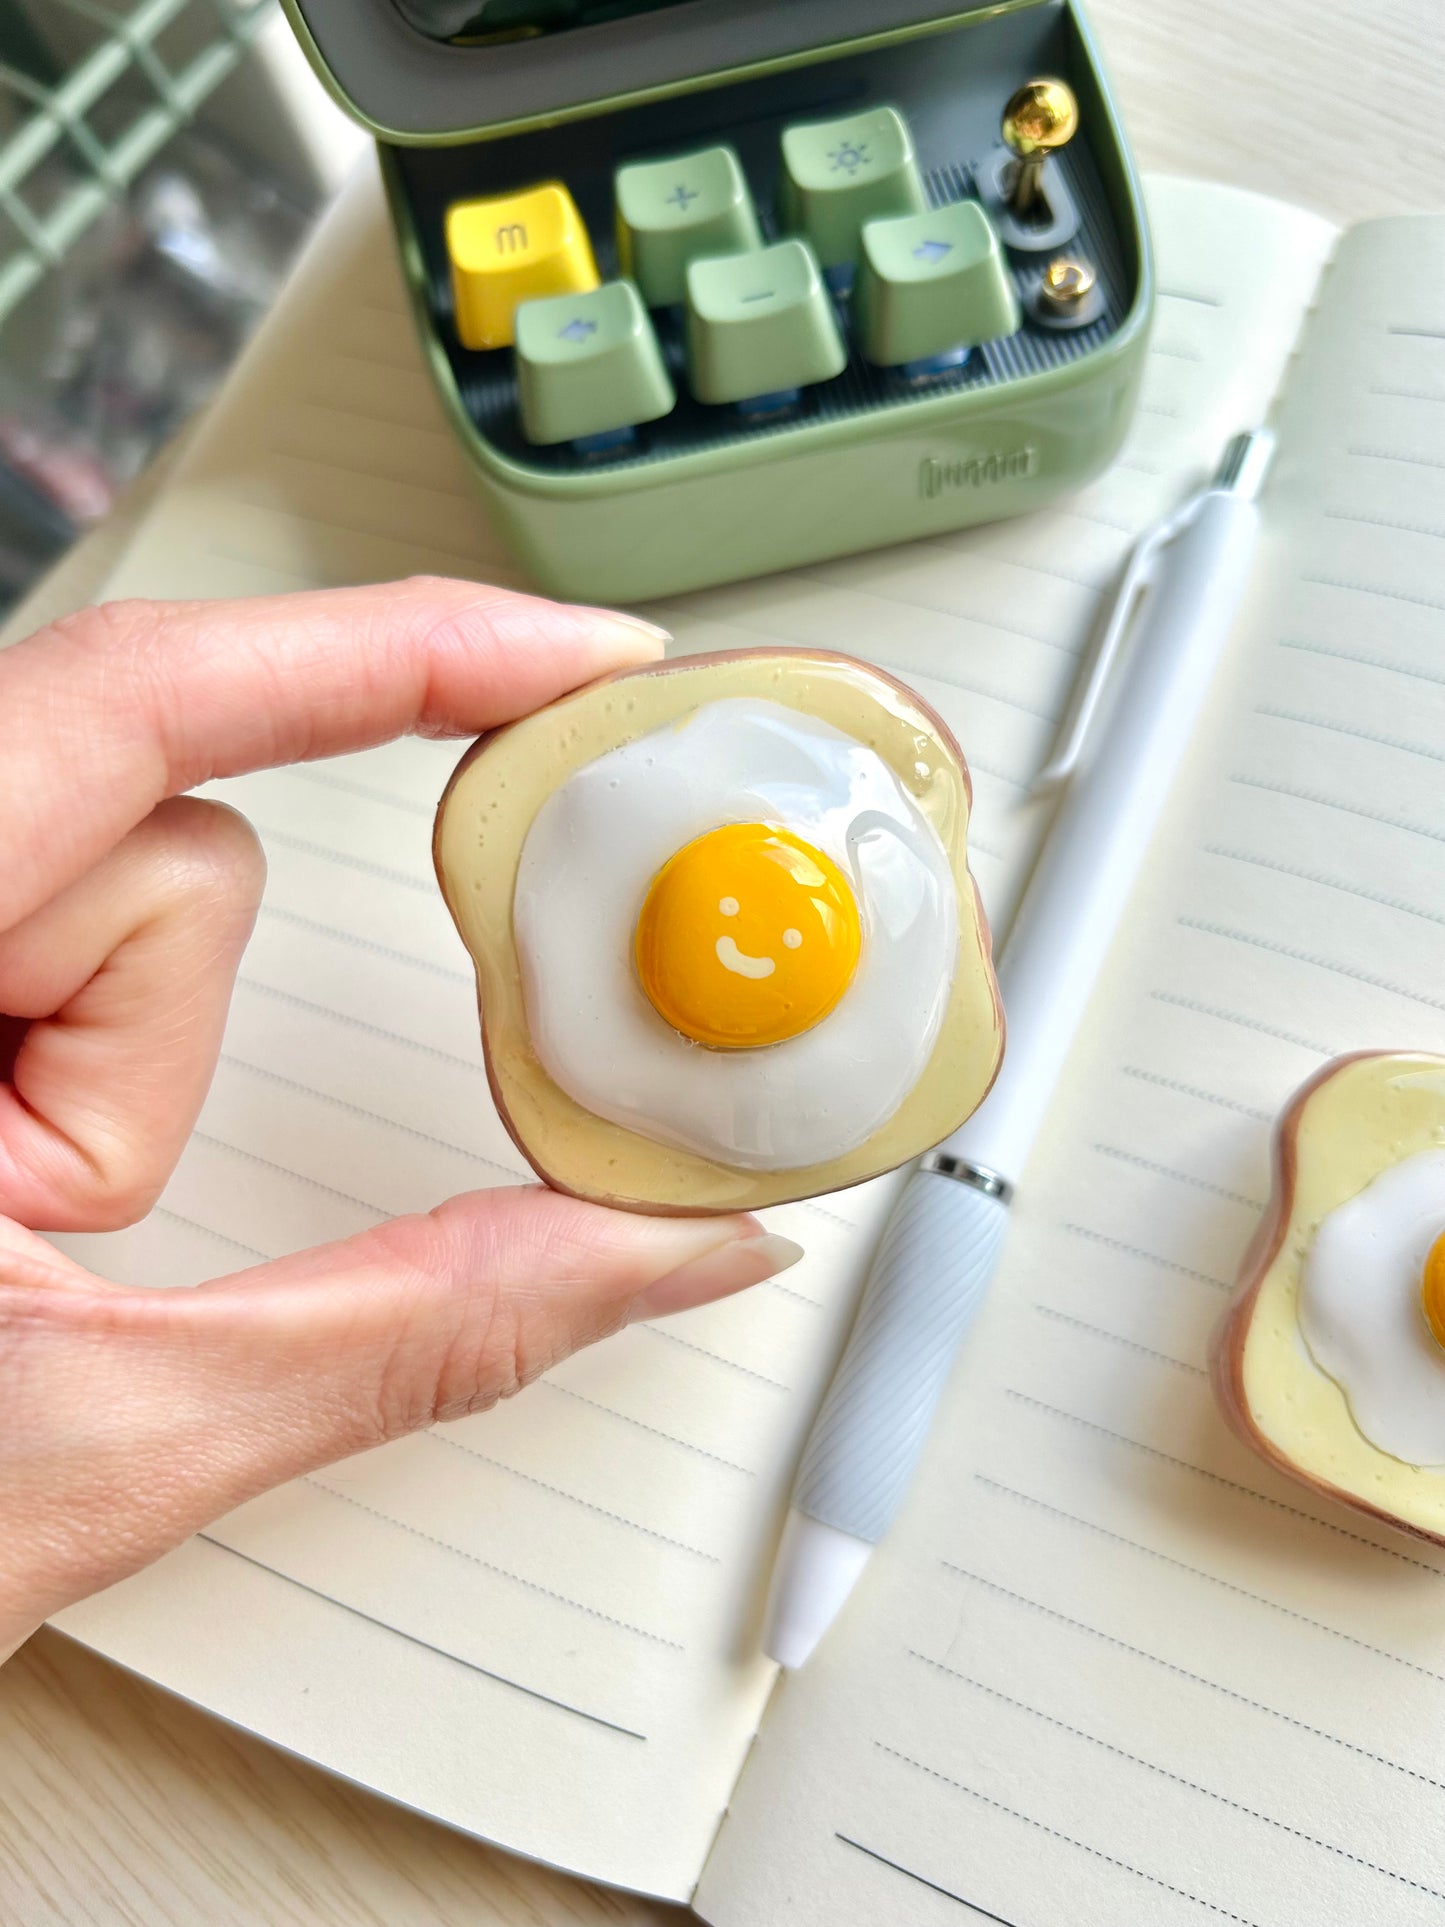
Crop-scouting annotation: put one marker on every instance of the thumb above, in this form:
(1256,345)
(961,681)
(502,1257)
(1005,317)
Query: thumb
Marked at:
(128,1418)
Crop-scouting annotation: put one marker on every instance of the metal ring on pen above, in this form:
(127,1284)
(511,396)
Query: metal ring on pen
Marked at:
(945,1165)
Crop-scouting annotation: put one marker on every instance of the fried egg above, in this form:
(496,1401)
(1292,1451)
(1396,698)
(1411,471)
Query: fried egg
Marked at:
(723,923)
(737,934)
(1372,1307)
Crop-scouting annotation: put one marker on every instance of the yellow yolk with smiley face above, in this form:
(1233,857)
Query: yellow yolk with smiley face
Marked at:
(749,935)
(1432,1290)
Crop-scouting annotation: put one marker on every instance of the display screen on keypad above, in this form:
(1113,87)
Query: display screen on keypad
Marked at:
(851,238)
(480,22)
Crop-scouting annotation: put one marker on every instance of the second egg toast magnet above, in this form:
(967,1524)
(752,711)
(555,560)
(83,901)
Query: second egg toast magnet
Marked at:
(1331,1360)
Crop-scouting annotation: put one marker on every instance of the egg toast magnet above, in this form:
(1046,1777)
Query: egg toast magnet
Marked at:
(728,948)
(1331,1359)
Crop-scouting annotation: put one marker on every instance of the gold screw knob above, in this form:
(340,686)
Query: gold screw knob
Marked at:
(1067,284)
(1042,117)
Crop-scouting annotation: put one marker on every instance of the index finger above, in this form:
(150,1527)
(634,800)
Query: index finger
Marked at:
(105,713)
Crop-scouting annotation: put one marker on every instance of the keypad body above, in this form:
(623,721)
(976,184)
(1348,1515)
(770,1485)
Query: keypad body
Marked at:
(809,263)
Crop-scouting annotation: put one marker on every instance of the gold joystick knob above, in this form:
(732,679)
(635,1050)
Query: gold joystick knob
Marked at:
(1042,117)
(1067,284)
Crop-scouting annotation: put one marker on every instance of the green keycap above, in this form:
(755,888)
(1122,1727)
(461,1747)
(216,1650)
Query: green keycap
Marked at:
(670,212)
(588,364)
(760,323)
(837,174)
(930,282)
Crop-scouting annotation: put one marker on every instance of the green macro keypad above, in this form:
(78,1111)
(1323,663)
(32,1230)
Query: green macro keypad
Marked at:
(713,289)
(588,365)
(837,174)
(799,274)
(928,283)
(760,324)
(671,212)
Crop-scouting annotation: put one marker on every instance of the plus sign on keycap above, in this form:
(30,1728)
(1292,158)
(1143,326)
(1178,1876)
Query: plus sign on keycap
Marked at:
(671,212)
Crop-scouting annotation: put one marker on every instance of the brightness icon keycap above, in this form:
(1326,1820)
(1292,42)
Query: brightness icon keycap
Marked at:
(850,156)
(837,174)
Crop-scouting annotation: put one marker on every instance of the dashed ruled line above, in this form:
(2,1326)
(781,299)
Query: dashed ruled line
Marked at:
(1166,1773)
(1149,1257)
(499,1572)
(571,1498)
(1218,1478)
(1180,1177)
(1183,1672)
(1054,1833)
(1209,1578)
(1118,1338)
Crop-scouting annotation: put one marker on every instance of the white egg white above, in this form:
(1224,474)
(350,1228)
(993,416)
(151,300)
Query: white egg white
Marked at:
(589,857)
(1360,1310)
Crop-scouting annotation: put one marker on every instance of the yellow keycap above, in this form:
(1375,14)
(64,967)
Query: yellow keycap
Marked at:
(509,249)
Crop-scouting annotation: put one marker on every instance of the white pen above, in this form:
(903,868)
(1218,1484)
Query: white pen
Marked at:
(942,1240)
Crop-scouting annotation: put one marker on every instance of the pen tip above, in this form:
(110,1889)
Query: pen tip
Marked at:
(817,1568)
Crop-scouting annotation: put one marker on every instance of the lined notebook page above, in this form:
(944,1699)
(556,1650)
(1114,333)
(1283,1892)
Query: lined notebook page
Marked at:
(1112,1668)
(541,1624)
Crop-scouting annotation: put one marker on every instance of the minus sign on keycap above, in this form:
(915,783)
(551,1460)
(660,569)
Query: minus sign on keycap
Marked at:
(766,295)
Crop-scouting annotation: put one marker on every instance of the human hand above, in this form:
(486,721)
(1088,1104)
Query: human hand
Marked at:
(130,1417)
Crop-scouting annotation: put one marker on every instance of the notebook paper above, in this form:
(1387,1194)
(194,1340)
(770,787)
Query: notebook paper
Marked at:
(1112,1668)
(541,1624)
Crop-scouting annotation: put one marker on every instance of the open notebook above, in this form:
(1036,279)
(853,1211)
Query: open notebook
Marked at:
(1108,1668)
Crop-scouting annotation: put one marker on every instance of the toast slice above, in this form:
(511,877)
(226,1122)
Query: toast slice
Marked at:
(1355,1118)
(481,827)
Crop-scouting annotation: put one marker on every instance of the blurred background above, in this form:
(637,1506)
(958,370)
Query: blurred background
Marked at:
(160,164)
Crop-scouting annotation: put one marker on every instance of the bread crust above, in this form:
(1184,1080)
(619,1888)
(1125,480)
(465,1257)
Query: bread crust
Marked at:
(535,1154)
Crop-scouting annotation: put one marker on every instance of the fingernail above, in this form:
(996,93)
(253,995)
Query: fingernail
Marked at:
(645,633)
(717,1274)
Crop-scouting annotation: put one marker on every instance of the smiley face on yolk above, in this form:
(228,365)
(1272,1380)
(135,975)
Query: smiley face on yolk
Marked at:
(749,935)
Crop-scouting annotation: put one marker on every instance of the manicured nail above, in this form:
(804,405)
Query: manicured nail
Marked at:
(717,1274)
(656,639)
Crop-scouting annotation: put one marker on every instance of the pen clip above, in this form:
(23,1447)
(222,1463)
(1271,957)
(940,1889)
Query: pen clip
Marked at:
(1138,573)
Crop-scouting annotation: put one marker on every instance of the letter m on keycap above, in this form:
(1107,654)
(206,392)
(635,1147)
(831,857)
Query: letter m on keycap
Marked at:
(511,238)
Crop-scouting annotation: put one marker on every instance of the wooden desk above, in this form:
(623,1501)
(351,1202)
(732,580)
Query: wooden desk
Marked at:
(121,1805)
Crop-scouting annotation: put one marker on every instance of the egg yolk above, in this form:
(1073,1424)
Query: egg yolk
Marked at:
(748,936)
(1432,1289)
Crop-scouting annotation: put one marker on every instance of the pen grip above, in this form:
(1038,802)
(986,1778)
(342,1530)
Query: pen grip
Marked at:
(928,1277)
